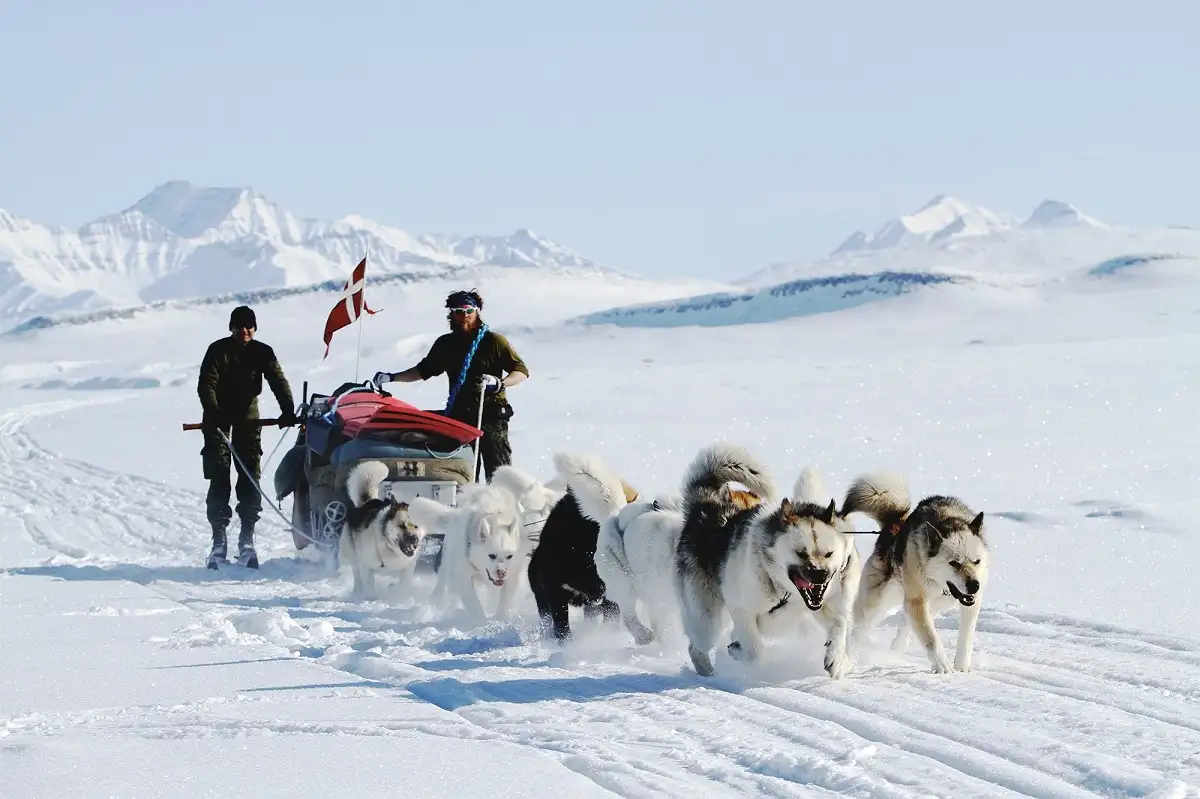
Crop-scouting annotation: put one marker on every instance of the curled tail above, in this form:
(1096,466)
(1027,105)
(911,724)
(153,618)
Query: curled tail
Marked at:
(881,495)
(527,489)
(598,490)
(811,488)
(362,484)
(721,463)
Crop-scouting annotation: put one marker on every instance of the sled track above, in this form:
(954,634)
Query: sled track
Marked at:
(1056,708)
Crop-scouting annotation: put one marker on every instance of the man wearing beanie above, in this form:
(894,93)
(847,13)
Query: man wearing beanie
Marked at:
(231,377)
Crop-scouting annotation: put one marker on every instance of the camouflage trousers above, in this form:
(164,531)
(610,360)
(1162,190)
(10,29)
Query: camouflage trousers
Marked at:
(494,449)
(247,443)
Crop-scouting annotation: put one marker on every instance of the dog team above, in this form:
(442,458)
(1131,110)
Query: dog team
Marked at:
(727,543)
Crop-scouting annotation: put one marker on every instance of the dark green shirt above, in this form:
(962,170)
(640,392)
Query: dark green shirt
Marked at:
(495,356)
(231,378)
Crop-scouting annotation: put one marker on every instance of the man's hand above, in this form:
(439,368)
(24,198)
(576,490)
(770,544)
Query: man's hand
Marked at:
(491,384)
(380,378)
(287,418)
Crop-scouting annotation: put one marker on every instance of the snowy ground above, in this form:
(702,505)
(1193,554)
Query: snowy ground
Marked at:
(1068,416)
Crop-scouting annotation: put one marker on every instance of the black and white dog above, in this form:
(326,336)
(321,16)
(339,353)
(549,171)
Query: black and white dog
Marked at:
(378,536)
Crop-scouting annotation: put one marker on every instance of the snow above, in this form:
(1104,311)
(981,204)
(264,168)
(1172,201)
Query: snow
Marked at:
(187,241)
(1065,409)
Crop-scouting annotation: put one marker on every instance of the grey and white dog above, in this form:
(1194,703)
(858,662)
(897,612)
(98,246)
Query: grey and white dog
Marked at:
(378,536)
(930,557)
(761,562)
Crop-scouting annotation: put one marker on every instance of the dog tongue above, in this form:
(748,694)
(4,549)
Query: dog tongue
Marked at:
(802,583)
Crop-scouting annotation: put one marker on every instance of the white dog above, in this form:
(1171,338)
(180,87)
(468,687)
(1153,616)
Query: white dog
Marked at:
(635,557)
(482,546)
(379,536)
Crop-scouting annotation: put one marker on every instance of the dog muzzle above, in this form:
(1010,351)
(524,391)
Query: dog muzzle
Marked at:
(811,591)
(966,600)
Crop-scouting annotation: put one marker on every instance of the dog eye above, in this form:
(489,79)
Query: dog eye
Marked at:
(829,554)
(956,564)
(509,557)
(492,556)
(977,561)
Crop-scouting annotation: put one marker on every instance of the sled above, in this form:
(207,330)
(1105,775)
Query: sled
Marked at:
(427,454)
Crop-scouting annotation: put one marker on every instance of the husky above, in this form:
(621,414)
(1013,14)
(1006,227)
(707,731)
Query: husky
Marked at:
(483,546)
(931,557)
(562,571)
(754,561)
(635,556)
(378,535)
(535,498)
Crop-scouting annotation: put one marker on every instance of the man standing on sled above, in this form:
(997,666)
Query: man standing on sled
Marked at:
(231,378)
(473,358)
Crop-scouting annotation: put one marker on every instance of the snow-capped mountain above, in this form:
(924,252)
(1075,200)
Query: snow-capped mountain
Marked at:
(941,218)
(182,240)
(949,236)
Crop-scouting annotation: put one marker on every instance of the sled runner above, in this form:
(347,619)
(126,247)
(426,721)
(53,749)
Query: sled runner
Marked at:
(427,454)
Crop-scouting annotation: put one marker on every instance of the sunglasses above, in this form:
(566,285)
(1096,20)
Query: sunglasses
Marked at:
(465,311)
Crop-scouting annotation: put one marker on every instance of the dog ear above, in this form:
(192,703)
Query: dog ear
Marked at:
(827,517)
(977,524)
(483,529)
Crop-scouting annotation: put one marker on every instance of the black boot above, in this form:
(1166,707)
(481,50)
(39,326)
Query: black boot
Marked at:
(246,555)
(217,555)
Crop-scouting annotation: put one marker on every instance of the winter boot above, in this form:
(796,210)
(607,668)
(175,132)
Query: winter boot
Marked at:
(217,555)
(246,555)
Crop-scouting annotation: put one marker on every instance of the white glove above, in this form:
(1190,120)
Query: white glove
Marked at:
(380,378)
(491,383)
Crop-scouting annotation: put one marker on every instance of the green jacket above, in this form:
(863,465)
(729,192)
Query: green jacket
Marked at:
(231,378)
(495,356)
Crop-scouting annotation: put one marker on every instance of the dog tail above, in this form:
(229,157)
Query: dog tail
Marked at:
(362,484)
(522,485)
(881,495)
(810,488)
(598,490)
(721,463)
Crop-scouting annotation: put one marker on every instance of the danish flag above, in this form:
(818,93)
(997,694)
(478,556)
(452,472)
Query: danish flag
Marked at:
(350,305)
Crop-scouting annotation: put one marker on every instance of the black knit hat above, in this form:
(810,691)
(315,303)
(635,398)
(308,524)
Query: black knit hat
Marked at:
(241,317)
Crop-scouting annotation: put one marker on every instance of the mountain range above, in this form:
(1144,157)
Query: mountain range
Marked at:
(182,241)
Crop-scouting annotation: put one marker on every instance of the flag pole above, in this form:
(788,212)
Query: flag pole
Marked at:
(361,314)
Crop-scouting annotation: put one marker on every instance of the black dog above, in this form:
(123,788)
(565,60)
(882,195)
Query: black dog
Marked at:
(562,570)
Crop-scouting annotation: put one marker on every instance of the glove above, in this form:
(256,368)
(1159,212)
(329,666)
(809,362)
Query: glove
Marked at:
(491,384)
(380,378)
(287,418)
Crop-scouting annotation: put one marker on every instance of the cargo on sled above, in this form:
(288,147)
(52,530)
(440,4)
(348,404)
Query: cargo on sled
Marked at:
(427,454)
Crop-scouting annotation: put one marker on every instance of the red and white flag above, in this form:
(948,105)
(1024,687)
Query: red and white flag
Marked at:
(350,305)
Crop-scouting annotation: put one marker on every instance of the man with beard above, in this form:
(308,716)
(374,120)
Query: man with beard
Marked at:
(473,358)
(231,378)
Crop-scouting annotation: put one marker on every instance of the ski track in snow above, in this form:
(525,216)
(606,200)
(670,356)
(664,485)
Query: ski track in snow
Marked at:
(1055,708)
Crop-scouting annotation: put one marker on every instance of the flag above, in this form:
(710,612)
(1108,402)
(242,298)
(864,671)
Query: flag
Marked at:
(350,305)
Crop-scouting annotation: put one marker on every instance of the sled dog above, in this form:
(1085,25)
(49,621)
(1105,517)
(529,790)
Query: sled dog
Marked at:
(378,536)
(482,546)
(930,557)
(635,556)
(754,562)
(562,571)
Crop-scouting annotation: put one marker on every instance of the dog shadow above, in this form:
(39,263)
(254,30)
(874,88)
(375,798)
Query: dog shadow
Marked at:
(452,694)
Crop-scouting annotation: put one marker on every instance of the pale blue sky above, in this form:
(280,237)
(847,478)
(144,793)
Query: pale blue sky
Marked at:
(663,138)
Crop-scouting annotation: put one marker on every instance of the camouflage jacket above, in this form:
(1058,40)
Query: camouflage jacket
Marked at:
(231,378)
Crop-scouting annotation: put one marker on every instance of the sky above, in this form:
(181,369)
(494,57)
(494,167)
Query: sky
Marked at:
(663,138)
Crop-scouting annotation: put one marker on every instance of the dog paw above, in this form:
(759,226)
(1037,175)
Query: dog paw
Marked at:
(963,666)
(702,662)
(837,664)
(737,651)
(941,665)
